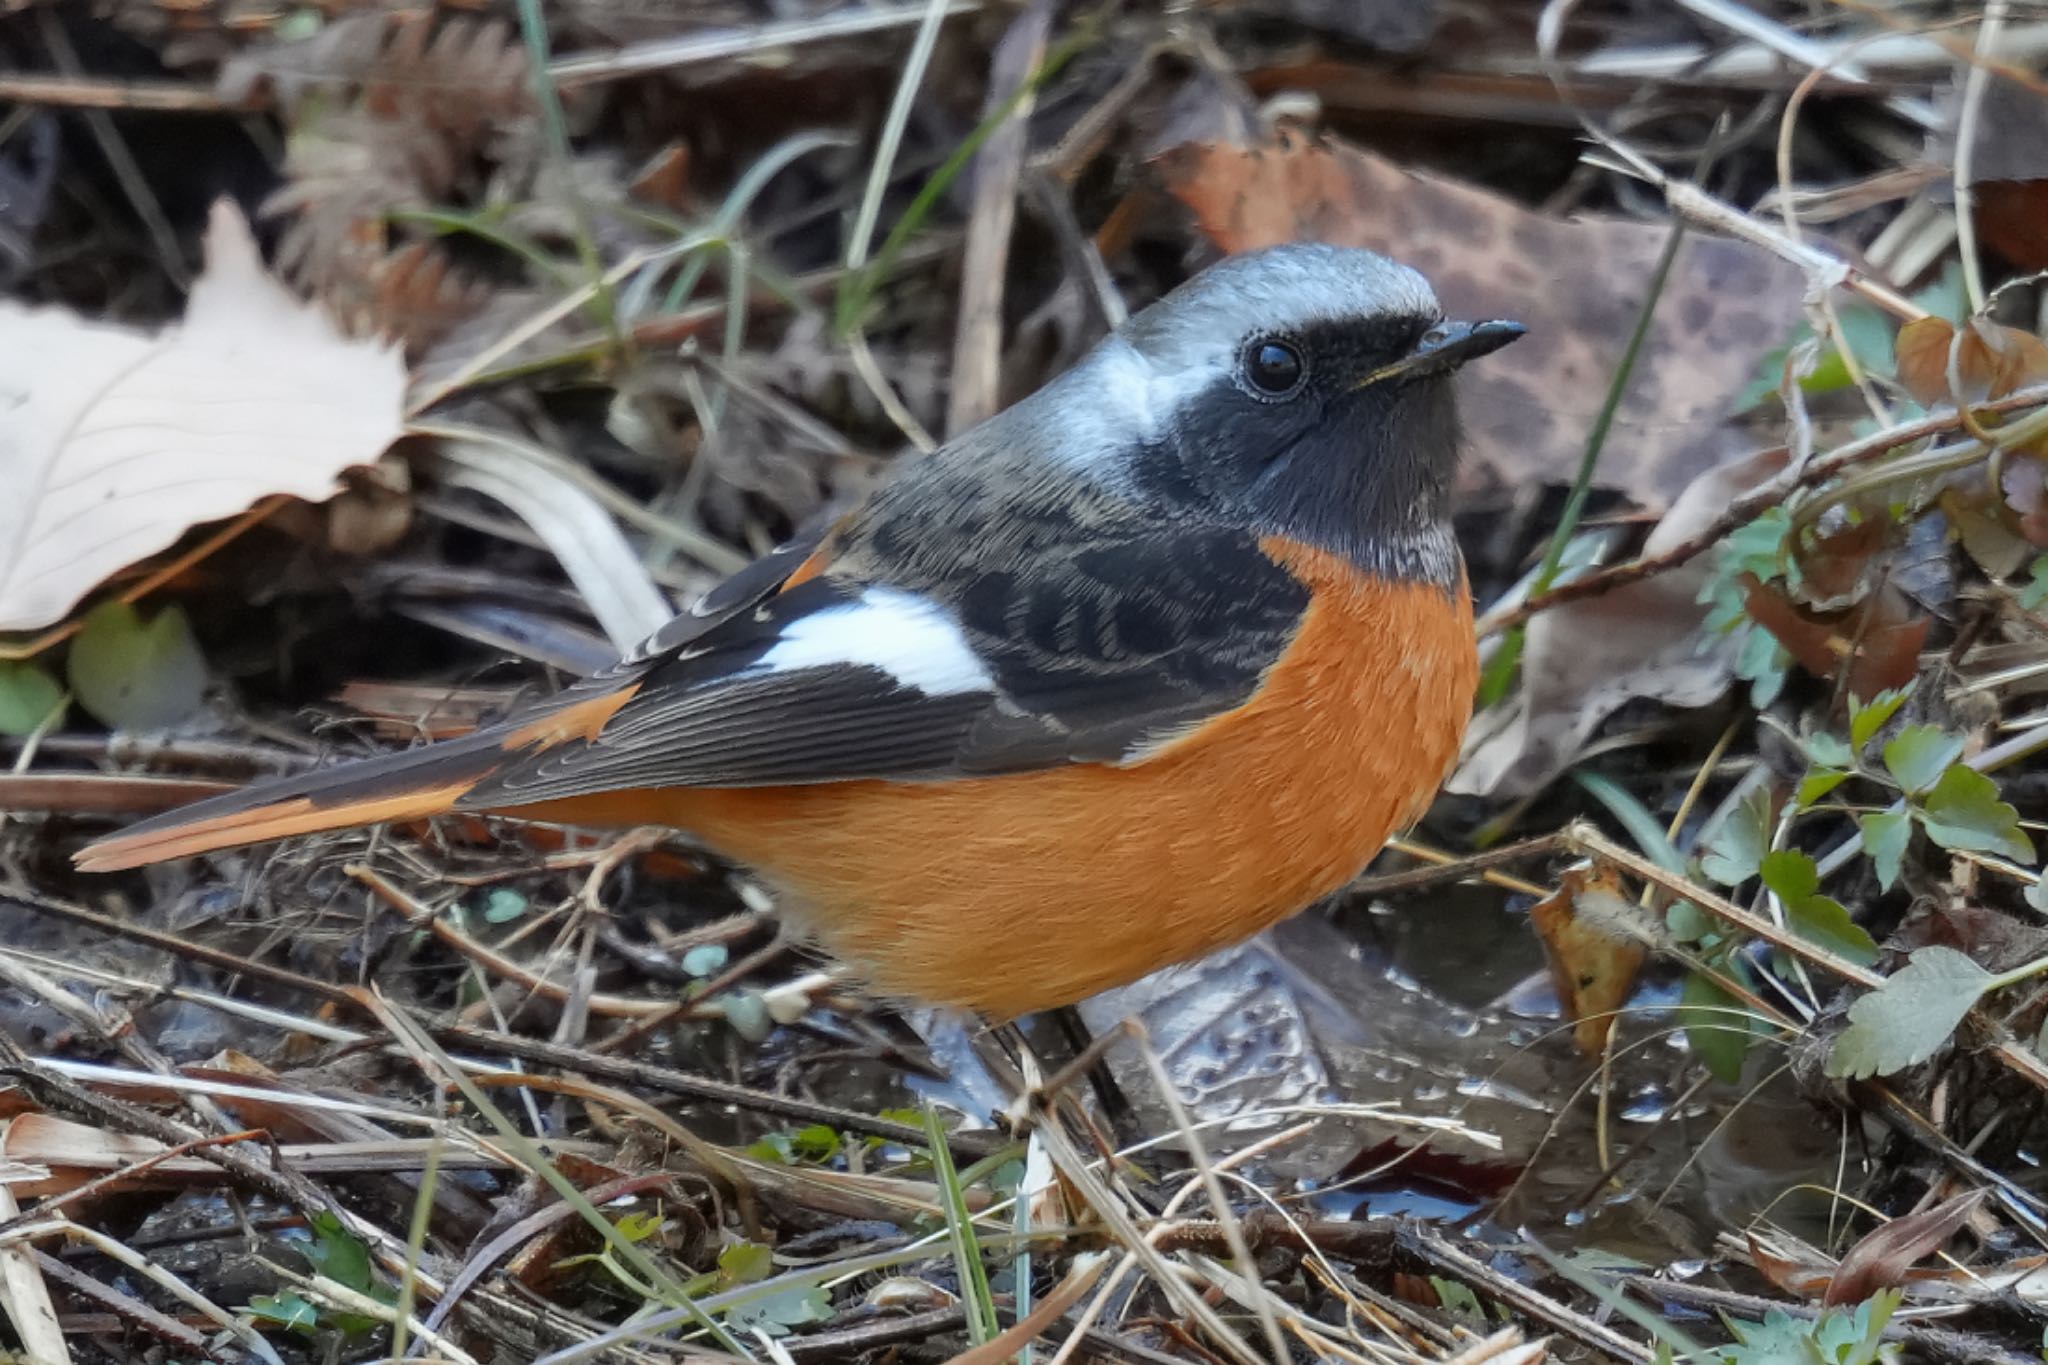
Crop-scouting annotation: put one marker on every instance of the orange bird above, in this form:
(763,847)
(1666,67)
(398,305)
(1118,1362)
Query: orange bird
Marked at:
(1153,659)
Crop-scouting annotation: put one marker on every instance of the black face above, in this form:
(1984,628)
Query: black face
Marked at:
(1343,435)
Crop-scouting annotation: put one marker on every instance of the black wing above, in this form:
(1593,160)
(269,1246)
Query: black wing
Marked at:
(1096,655)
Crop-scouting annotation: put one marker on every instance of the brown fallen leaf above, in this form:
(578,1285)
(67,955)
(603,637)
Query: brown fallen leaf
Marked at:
(1990,360)
(1577,283)
(1880,1260)
(1877,642)
(1801,1278)
(1583,661)
(2009,162)
(1594,957)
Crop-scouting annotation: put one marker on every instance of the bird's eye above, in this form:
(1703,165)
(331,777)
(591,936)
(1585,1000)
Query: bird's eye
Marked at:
(1273,367)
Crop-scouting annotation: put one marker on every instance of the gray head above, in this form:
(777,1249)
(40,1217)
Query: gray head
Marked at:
(1303,391)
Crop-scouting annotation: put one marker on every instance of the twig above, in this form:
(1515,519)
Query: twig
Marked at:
(126,170)
(702,49)
(977,342)
(972,1145)
(1976,85)
(1931,1343)
(91,92)
(1747,507)
(2017,1058)
(1438,1252)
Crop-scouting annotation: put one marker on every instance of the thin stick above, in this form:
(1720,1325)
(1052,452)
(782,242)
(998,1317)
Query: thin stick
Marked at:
(1976,85)
(1747,507)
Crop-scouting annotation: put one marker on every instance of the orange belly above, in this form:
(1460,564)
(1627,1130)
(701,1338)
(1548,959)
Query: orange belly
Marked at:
(1012,894)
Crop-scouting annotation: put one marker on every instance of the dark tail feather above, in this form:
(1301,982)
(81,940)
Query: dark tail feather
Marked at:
(402,786)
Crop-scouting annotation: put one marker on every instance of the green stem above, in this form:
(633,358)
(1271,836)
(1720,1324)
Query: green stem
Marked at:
(1603,423)
(1506,661)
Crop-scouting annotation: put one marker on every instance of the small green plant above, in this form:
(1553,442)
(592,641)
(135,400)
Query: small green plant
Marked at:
(1840,1336)
(336,1255)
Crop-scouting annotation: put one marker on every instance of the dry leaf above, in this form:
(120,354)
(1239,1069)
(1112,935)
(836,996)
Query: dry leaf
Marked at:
(1578,284)
(1991,360)
(118,441)
(1583,661)
(1594,954)
(1877,641)
(1881,1259)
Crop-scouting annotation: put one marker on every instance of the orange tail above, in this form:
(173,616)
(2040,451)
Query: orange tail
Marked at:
(403,786)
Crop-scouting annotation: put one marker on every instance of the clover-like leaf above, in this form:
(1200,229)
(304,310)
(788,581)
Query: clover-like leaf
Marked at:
(1817,784)
(1906,1020)
(745,1263)
(1964,812)
(1738,846)
(1829,751)
(1823,920)
(1919,754)
(288,1310)
(1866,718)
(1795,879)
(1718,1026)
(134,674)
(28,695)
(1885,835)
(2034,595)
(1791,874)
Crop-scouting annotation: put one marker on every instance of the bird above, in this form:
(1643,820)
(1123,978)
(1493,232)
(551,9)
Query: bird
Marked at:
(1148,661)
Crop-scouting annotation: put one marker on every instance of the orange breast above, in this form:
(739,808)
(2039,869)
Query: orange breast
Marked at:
(1010,894)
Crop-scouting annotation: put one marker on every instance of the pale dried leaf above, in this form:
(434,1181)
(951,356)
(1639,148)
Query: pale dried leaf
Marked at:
(1585,660)
(119,441)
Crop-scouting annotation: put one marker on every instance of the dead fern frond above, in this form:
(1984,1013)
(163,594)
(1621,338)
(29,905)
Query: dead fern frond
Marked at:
(389,112)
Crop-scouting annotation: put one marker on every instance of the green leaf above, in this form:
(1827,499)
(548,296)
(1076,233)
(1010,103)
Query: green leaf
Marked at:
(133,674)
(2035,595)
(1764,663)
(337,1255)
(28,694)
(745,1263)
(1795,879)
(1758,547)
(1687,922)
(1503,666)
(286,1310)
(640,1225)
(1919,754)
(1817,784)
(1737,848)
(503,905)
(705,959)
(1963,811)
(1456,1298)
(1885,836)
(1717,1026)
(1822,920)
(776,1148)
(1867,718)
(775,1314)
(817,1143)
(2037,894)
(1829,751)
(1906,1020)
(1791,874)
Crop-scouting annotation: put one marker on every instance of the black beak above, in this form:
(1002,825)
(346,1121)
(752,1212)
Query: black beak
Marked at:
(1451,344)
(1446,346)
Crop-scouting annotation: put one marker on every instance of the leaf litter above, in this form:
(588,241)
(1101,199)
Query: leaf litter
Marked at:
(1806,691)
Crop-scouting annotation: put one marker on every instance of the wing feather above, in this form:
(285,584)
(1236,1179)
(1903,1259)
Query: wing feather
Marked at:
(1078,659)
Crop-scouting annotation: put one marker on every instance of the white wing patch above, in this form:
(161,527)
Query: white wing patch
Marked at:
(900,633)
